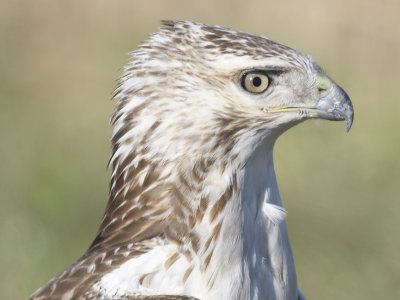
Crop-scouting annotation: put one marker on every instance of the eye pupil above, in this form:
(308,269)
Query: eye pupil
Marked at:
(257,81)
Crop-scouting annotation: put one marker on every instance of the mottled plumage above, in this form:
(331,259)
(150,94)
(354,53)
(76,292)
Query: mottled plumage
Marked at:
(194,208)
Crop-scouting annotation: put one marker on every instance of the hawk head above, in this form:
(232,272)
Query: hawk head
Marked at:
(194,89)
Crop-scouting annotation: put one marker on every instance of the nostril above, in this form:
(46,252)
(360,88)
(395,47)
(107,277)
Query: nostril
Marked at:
(323,83)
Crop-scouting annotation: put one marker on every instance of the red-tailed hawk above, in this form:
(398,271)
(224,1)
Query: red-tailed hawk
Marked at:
(194,207)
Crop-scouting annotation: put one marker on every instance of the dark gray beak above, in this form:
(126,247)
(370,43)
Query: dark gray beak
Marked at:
(335,105)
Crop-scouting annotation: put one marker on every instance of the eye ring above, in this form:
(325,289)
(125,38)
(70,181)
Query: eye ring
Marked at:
(255,82)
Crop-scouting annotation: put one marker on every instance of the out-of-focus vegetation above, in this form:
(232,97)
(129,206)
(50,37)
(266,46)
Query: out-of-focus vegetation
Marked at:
(58,65)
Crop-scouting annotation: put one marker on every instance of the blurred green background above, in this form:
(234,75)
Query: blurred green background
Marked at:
(58,64)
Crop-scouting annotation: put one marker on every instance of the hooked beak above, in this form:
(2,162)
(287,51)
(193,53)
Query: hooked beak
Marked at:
(334,105)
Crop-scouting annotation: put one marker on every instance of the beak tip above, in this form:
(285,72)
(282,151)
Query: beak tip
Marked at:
(349,122)
(348,113)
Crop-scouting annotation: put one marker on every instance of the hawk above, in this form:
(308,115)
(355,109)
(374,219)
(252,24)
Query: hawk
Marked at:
(194,209)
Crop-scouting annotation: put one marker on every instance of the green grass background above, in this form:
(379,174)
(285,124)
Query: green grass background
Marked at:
(58,64)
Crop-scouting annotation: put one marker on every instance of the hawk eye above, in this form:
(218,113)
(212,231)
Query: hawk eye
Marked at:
(255,82)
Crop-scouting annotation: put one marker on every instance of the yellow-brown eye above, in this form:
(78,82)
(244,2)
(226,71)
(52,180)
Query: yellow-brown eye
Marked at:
(255,82)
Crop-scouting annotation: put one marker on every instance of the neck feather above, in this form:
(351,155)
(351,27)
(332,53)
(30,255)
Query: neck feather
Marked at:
(245,246)
(224,216)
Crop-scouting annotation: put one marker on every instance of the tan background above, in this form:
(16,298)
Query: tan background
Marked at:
(58,65)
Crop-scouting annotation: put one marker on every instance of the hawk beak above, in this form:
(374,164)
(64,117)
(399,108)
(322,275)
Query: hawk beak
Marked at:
(335,105)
